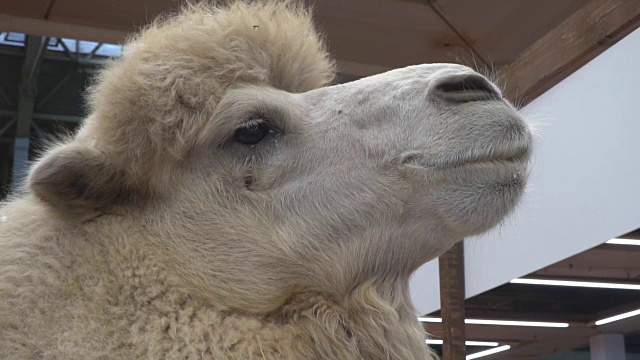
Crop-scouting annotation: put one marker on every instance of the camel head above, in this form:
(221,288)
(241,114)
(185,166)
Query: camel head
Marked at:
(217,141)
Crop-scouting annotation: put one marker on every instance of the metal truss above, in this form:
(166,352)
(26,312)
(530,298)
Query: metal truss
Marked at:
(24,119)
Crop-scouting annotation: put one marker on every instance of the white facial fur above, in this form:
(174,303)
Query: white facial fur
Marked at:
(364,180)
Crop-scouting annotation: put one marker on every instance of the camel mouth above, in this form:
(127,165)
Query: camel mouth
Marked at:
(518,155)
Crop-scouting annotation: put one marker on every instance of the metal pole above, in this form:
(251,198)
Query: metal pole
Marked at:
(26,95)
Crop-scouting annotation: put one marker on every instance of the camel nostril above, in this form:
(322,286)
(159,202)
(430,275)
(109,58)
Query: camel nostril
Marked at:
(468,87)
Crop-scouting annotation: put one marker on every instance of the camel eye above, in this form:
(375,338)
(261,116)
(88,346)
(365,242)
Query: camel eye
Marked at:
(252,132)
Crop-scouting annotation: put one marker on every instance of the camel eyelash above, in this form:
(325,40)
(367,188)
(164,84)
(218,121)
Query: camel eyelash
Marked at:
(271,114)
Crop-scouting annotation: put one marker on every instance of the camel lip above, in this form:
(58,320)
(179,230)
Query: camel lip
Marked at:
(414,159)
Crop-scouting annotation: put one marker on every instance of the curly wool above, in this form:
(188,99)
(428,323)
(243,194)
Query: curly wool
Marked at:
(107,299)
(100,289)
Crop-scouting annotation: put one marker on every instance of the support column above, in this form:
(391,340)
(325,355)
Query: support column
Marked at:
(34,48)
(607,347)
(452,302)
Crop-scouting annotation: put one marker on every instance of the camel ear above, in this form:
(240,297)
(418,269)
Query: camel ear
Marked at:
(77,179)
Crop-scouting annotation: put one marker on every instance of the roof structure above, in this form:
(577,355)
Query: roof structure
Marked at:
(528,46)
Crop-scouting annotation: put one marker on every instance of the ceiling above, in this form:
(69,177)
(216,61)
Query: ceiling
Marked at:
(578,306)
(366,36)
(387,33)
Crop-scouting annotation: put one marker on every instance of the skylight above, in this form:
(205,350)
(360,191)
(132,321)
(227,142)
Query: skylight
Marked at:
(58,44)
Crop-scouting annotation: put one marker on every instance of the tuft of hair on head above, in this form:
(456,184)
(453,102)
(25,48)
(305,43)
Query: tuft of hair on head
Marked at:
(147,107)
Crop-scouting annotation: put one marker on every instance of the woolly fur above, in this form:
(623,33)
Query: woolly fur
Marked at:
(189,61)
(87,282)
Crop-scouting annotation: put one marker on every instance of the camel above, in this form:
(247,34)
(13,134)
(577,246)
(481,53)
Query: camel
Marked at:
(223,200)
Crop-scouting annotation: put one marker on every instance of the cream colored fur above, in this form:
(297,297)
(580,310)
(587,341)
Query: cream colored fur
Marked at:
(153,234)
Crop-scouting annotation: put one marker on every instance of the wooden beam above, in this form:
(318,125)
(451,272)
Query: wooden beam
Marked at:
(607,257)
(635,305)
(539,349)
(527,315)
(59,29)
(516,334)
(581,37)
(625,326)
(635,234)
(569,271)
(452,302)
